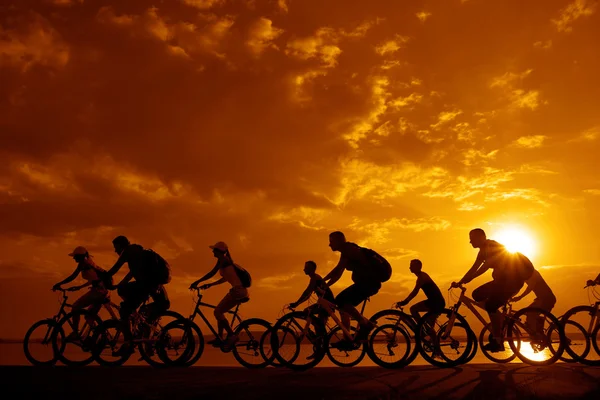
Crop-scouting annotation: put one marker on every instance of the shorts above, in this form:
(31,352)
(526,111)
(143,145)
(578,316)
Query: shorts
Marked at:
(496,293)
(357,293)
(435,304)
(238,293)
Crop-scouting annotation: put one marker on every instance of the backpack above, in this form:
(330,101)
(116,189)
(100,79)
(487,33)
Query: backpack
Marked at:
(158,269)
(244,275)
(381,268)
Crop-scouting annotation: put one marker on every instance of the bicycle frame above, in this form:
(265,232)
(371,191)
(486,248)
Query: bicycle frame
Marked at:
(198,311)
(330,308)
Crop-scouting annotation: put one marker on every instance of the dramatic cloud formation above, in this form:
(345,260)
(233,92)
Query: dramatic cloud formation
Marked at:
(268,124)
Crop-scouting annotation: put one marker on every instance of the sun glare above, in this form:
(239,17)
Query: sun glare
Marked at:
(516,239)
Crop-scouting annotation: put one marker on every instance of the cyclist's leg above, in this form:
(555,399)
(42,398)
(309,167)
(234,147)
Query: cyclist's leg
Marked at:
(349,299)
(133,295)
(483,292)
(90,299)
(502,291)
(231,299)
(417,308)
(160,303)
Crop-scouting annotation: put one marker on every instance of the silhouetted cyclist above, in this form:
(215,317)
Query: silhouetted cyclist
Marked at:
(435,301)
(510,271)
(134,293)
(369,270)
(235,276)
(544,299)
(95,276)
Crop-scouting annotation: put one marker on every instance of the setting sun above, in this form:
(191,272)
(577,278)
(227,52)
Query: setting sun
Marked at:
(517,239)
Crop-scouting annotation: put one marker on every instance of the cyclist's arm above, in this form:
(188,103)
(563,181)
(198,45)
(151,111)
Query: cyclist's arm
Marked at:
(212,273)
(127,278)
(122,260)
(413,293)
(525,293)
(222,280)
(336,273)
(69,278)
(475,270)
(306,294)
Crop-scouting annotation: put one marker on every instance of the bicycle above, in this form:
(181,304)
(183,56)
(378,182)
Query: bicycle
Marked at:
(322,337)
(79,335)
(544,349)
(248,331)
(587,318)
(396,337)
(48,327)
(108,338)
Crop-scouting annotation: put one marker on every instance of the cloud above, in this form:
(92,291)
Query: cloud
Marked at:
(530,142)
(588,135)
(283,5)
(391,46)
(572,12)
(509,78)
(35,43)
(261,35)
(446,116)
(594,192)
(277,282)
(543,45)
(423,15)
(474,157)
(203,4)
(323,46)
(379,232)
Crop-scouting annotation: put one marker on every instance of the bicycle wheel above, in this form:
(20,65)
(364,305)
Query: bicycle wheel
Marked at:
(390,346)
(296,345)
(177,343)
(267,351)
(593,359)
(473,340)
(37,344)
(441,348)
(397,317)
(542,338)
(76,330)
(500,357)
(247,348)
(344,357)
(148,332)
(578,343)
(107,341)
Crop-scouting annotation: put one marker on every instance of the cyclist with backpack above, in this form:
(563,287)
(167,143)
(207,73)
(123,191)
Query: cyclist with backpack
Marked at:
(95,276)
(150,272)
(369,270)
(240,281)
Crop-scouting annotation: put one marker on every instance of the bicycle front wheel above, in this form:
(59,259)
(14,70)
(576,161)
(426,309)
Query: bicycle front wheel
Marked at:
(108,342)
(501,357)
(177,343)
(37,344)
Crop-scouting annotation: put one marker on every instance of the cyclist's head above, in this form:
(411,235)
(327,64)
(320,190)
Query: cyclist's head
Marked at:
(336,240)
(79,254)
(477,238)
(415,266)
(120,243)
(310,267)
(219,249)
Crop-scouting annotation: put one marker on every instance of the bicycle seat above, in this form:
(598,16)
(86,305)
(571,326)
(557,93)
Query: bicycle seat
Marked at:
(244,300)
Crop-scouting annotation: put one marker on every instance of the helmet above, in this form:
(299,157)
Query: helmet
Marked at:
(79,251)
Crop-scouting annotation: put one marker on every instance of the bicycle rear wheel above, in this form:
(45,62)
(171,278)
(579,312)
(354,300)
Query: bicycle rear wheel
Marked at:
(578,343)
(390,346)
(294,349)
(37,344)
(148,333)
(177,343)
(344,357)
(247,348)
(501,357)
(542,338)
(108,339)
(77,330)
(441,348)
(267,351)
(406,322)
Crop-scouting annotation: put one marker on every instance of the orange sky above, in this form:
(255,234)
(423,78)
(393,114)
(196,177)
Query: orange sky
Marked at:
(268,124)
